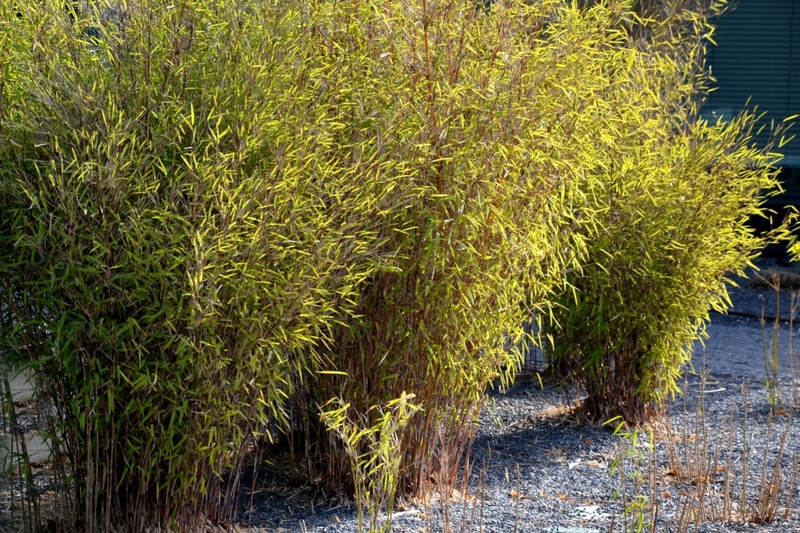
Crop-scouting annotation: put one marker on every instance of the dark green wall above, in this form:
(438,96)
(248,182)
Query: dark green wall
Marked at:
(758,57)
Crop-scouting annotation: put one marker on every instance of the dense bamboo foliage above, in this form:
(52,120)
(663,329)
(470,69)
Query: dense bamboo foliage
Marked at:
(186,215)
(493,124)
(225,221)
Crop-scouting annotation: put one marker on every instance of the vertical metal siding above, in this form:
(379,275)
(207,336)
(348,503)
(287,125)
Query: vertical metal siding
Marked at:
(757,57)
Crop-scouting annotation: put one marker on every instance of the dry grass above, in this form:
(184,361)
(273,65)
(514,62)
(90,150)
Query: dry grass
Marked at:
(771,278)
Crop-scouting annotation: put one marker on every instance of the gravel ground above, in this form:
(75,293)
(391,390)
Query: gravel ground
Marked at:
(535,470)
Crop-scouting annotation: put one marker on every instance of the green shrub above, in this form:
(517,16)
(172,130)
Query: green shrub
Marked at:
(499,114)
(186,212)
(220,216)
(672,195)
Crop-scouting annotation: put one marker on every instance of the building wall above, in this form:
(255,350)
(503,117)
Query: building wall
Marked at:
(757,57)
